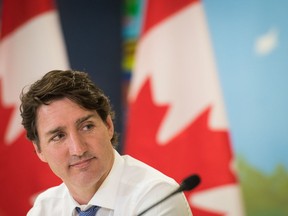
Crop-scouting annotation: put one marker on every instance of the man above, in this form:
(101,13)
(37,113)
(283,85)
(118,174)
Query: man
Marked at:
(70,122)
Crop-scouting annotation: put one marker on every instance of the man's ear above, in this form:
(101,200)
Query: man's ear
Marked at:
(39,153)
(110,125)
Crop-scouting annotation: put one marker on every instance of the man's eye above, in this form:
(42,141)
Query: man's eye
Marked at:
(88,127)
(57,137)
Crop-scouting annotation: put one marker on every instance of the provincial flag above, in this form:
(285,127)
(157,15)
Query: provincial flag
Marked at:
(176,118)
(31,44)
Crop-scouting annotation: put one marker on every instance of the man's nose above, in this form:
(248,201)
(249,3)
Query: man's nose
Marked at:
(77,145)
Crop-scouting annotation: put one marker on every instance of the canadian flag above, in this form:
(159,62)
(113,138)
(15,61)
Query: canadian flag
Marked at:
(176,118)
(31,44)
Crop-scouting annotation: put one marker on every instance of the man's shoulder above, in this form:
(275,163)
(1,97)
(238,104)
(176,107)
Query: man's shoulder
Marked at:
(56,192)
(143,173)
(51,201)
(144,186)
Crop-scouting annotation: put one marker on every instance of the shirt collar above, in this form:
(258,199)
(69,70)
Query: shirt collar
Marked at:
(72,203)
(107,193)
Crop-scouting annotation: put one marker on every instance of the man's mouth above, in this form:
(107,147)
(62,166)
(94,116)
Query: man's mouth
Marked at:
(81,163)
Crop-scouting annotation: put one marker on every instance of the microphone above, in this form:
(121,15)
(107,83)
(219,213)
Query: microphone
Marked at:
(187,184)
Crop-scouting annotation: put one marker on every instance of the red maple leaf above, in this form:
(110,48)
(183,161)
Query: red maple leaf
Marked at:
(196,149)
(22,173)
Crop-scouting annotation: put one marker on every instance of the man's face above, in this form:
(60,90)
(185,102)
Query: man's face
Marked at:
(75,143)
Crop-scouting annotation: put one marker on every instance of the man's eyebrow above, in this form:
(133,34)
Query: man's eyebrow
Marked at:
(83,119)
(78,121)
(55,130)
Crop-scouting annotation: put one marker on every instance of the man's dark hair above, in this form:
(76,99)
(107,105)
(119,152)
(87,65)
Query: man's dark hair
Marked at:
(74,85)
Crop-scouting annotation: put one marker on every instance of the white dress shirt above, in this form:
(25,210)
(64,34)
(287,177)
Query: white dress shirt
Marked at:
(130,187)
